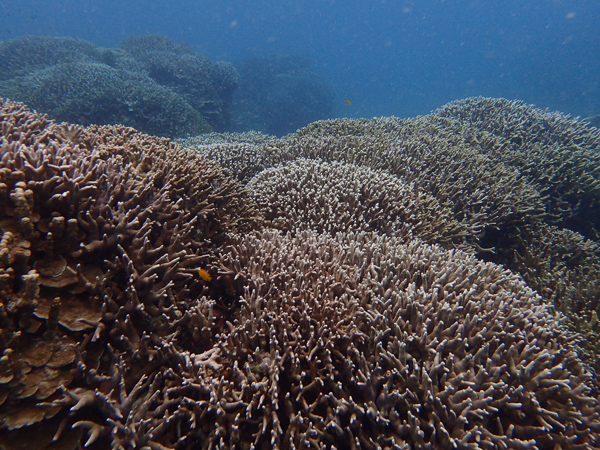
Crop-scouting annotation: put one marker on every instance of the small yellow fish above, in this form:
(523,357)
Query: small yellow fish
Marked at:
(204,275)
(347,102)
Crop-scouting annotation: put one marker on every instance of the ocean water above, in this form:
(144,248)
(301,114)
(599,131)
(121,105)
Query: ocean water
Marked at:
(389,57)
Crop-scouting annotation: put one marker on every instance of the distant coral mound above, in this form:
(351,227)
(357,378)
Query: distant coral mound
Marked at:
(279,94)
(207,87)
(91,92)
(161,87)
(26,54)
(148,82)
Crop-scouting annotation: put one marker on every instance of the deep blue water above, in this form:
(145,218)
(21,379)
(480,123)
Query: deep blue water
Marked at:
(388,57)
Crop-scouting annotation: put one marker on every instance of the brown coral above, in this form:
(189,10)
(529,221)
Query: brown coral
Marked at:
(557,153)
(361,341)
(433,153)
(138,312)
(103,231)
(509,172)
(335,197)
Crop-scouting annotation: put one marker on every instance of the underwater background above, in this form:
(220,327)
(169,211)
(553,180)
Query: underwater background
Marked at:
(208,241)
(387,57)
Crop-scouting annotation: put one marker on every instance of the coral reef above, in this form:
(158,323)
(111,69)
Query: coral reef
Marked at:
(427,151)
(240,154)
(146,302)
(430,152)
(565,268)
(515,176)
(360,341)
(209,139)
(148,76)
(103,232)
(206,87)
(94,93)
(559,155)
(279,94)
(26,54)
(147,82)
(335,197)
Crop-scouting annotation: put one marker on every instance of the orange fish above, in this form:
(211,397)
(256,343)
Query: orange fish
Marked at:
(347,102)
(204,275)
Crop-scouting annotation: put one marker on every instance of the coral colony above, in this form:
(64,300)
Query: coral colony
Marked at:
(387,283)
(161,87)
(147,82)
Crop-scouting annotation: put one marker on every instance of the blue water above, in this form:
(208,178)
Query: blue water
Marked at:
(388,57)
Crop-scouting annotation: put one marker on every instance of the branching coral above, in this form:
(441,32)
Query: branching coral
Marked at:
(141,308)
(362,341)
(429,152)
(89,92)
(148,82)
(334,197)
(516,176)
(207,87)
(559,154)
(103,232)
(26,54)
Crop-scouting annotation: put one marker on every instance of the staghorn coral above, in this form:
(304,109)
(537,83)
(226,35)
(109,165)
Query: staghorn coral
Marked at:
(561,264)
(241,160)
(565,268)
(335,197)
(360,341)
(238,153)
(208,139)
(103,231)
(558,154)
(509,172)
(427,151)
(521,123)
(559,157)
(139,306)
